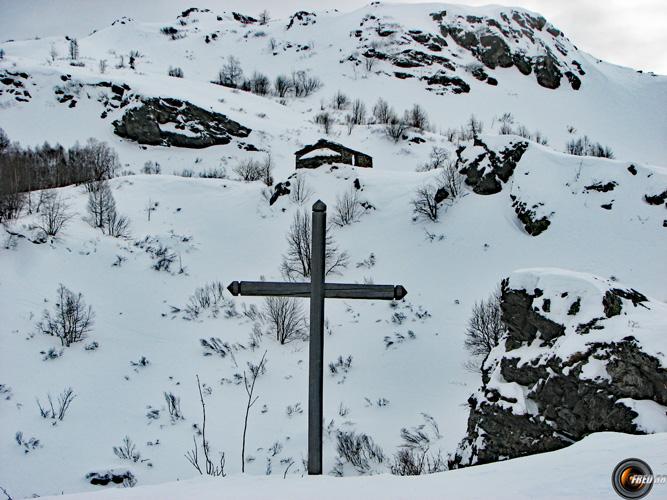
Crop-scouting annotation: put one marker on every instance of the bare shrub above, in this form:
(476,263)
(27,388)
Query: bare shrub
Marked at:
(300,191)
(358,112)
(127,450)
(474,126)
(297,261)
(259,83)
(231,74)
(414,458)
(369,63)
(395,128)
(450,179)
(424,204)
(583,146)
(57,412)
(437,159)
(175,72)
(152,167)
(173,406)
(325,119)
(101,203)
(347,209)
(382,112)
(249,384)
(266,168)
(249,170)
(286,318)
(304,84)
(70,321)
(485,328)
(53,214)
(417,117)
(283,85)
(118,226)
(359,450)
(192,456)
(205,298)
(340,100)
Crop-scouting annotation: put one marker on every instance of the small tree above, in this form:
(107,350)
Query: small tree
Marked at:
(264,17)
(53,214)
(485,328)
(283,85)
(395,128)
(103,66)
(53,53)
(101,203)
(358,114)
(250,170)
(416,117)
(267,170)
(249,384)
(382,112)
(425,204)
(324,119)
(451,180)
(286,318)
(304,84)
(175,72)
(437,159)
(347,209)
(231,74)
(474,126)
(300,191)
(297,261)
(340,100)
(259,84)
(71,320)
(2,54)
(74,49)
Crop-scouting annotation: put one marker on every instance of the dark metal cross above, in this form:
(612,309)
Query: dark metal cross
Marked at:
(317,290)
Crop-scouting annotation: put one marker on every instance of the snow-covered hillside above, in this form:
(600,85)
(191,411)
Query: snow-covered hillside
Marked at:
(393,365)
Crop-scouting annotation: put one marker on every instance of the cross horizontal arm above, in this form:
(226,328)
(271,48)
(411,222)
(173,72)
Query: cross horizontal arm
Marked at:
(331,290)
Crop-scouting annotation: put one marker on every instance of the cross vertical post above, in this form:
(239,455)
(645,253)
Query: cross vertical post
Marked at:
(316,348)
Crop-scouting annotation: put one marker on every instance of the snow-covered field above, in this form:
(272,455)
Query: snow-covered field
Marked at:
(407,359)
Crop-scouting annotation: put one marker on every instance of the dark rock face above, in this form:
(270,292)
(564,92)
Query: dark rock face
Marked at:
(602,188)
(302,18)
(441,80)
(533,225)
(171,122)
(124,477)
(569,392)
(15,84)
(281,189)
(547,72)
(495,52)
(489,170)
(657,199)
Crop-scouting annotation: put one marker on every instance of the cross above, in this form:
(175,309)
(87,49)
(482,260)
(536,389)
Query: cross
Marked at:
(317,290)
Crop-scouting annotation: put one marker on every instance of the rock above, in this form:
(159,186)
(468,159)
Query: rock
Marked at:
(574,80)
(302,18)
(113,476)
(547,72)
(441,195)
(522,63)
(453,83)
(495,52)
(171,122)
(657,199)
(281,189)
(487,172)
(534,226)
(549,382)
(602,188)
(632,169)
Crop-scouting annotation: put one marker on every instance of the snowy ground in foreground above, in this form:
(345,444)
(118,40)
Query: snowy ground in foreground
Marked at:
(581,471)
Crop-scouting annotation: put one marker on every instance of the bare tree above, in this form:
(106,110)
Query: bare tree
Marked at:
(416,117)
(395,128)
(249,170)
(259,83)
(53,214)
(267,170)
(437,159)
(231,73)
(425,204)
(347,209)
(264,17)
(324,119)
(358,113)
(57,412)
(71,320)
(451,180)
(300,191)
(485,328)
(283,85)
(249,384)
(175,72)
(286,318)
(382,112)
(192,456)
(474,126)
(297,261)
(369,63)
(101,203)
(73,49)
(103,66)
(340,100)
(304,84)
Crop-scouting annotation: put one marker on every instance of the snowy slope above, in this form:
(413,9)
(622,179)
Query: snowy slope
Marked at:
(224,229)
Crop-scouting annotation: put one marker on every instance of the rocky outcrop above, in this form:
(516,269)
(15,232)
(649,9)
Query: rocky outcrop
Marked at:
(580,355)
(171,122)
(487,170)
(15,84)
(533,224)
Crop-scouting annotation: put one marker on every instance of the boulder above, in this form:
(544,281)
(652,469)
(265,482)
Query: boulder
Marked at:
(547,72)
(549,382)
(171,122)
(488,170)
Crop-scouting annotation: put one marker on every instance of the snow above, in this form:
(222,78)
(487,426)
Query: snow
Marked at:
(224,230)
(587,465)
(321,152)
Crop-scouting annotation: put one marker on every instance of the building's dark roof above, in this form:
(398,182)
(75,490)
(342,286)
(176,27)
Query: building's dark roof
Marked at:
(324,143)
